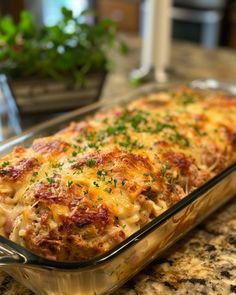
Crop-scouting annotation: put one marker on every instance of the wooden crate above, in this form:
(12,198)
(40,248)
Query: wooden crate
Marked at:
(42,95)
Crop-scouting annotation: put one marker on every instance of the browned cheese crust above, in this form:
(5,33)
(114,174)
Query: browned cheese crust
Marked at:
(80,192)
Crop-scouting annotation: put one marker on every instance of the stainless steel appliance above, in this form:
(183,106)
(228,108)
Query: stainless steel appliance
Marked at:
(198,21)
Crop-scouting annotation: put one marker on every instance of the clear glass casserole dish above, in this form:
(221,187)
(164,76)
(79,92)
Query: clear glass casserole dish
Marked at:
(103,274)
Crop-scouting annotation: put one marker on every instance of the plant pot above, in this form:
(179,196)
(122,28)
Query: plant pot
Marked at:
(49,96)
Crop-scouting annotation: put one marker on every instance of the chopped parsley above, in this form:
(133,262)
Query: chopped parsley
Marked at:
(90,136)
(125,116)
(108,190)
(95,184)
(110,180)
(187,99)
(101,173)
(74,154)
(111,130)
(5,164)
(123,182)
(150,175)
(51,180)
(177,138)
(147,174)
(114,130)
(199,132)
(185,142)
(90,162)
(34,174)
(128,144)
(164,168)
(93,145)
(137,119)
(160,126)
(57,165)
(70,182)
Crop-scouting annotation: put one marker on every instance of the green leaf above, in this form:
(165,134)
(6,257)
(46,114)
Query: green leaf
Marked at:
(69,50)
(26,24)
(8,28)
(67,13)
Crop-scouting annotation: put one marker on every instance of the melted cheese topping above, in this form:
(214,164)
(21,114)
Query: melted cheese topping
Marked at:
(80,192)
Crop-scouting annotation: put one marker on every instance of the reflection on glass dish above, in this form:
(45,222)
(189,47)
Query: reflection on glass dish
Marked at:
(9,117)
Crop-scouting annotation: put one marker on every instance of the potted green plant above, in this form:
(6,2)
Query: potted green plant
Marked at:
(58,67)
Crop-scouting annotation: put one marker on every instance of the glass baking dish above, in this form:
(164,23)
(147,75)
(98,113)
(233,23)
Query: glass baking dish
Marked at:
(103,274)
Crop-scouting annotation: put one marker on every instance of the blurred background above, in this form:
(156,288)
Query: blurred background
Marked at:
(210,23)
(64,79)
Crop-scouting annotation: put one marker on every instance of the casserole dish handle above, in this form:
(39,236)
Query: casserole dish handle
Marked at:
(9,255)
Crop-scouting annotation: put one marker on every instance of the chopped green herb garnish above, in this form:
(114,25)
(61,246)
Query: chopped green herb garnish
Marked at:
(160,126)
(99,198)
(187,99)
(90,136)
(5,164)
(110,181)
(125,143)
(95,184)
(199,132)
(114,130)
(70,182)
(78,171)
(185,142)
(131,144)
(108,190)
(91,162)
(57,165)
(101,173)
(93,145)
(177,138)
(125,116)
(137,119)
(150,175)
(35,174)
(78,149)
(147,174)
(123,182)
(164,168)
(51,180)
(111,130)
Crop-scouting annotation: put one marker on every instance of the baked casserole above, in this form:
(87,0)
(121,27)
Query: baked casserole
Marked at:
(75,195)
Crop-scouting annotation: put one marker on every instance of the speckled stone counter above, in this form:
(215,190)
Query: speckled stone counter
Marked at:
(204,262)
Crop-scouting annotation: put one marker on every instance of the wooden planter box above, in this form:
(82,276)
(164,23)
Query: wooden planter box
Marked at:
(48,96)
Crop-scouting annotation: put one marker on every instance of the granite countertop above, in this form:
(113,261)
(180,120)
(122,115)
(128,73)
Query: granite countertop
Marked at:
(204,262)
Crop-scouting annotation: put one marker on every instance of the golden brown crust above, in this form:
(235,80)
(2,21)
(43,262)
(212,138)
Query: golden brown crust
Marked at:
(77,194)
